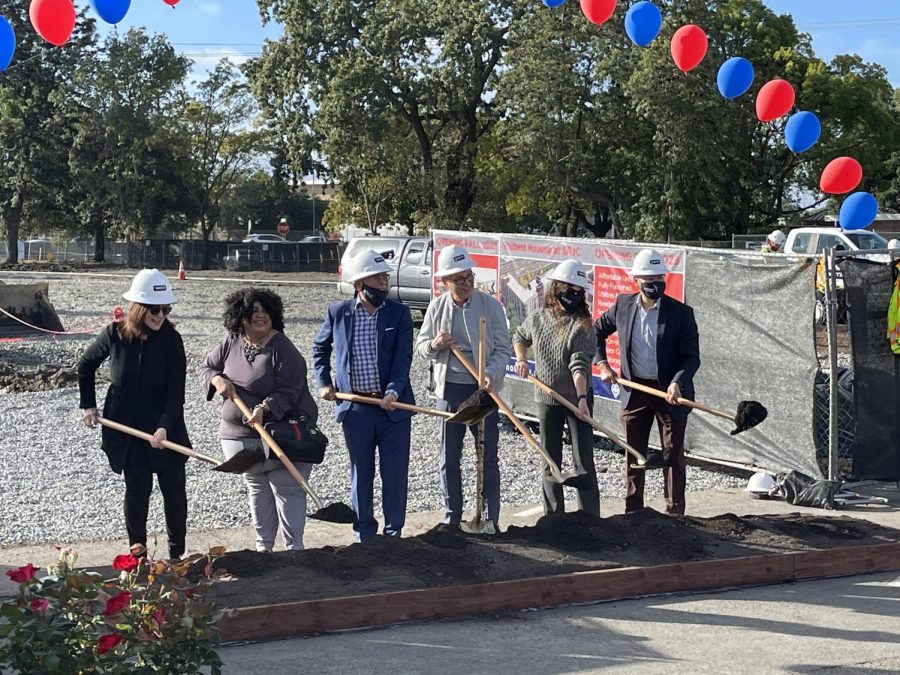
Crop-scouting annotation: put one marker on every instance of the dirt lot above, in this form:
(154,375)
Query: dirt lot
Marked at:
(554,545)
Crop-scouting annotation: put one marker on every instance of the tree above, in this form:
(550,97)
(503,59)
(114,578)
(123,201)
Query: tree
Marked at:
(222,142)
(34,133)
(127,158)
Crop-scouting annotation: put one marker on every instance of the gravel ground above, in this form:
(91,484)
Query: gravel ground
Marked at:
(57,487)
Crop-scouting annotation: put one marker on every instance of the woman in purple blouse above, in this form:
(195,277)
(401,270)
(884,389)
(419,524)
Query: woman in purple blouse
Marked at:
(257,361)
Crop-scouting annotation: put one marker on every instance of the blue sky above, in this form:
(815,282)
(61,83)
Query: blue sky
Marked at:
(206,30)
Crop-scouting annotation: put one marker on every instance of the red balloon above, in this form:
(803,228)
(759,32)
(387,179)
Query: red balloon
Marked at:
(774,99)
(54,20)
(171,3)
(596,11)
(840,176)
(688,47)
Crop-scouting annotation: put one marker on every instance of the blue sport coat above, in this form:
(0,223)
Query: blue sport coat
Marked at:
(395,350)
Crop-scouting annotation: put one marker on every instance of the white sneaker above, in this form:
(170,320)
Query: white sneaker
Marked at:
(262,548)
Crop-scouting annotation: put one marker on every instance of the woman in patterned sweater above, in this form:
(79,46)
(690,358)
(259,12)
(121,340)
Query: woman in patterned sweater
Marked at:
(563,341)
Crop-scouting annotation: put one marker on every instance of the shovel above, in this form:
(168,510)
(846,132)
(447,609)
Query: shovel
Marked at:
(477,525)
(641,460)
(333,513)
(748,415)
(575,480)
(169,445)
(471,415)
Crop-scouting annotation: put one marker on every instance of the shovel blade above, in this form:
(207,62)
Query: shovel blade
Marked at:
(478,526)
(749,414)
(579,481)
(242,461)
(335,513)
(474,409)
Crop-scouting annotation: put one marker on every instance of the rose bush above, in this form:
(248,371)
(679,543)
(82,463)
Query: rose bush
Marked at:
(150,619)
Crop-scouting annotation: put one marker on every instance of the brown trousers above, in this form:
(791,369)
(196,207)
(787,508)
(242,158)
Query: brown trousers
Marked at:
(637,419)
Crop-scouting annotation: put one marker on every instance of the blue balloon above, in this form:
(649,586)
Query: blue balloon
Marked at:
(642,23)
(7,43)
(553,3)
(735,77)
(111,11)
(802,131)
(858,211)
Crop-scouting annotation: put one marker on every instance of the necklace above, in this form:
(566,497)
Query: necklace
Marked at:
(251,350)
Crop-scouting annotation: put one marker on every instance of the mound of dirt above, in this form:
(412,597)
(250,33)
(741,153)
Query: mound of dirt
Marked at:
(558,544)
(16,377)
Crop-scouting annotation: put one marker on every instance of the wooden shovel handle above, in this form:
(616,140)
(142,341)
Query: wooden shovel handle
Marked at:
(272,443)
(681,401)
(543,386)
(356,398)
(531,440)
(169,445)
(482,348)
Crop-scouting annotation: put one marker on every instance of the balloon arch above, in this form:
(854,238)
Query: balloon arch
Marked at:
(54,21)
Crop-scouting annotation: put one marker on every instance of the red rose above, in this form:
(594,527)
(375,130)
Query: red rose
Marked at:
(189,593)
(116,604)
(23,574)
(107,642)
(125,562)
(39,605)
(159,616)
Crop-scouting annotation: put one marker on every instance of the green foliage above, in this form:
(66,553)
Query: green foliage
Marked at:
(506,115)
(150,619)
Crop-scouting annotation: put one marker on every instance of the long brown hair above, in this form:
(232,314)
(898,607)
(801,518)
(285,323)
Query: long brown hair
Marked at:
(551,302)
(133,325)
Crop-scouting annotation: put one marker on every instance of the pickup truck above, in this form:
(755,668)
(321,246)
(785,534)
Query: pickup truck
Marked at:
(410,259)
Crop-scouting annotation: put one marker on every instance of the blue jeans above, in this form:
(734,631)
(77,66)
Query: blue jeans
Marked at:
(452,438)
(365,428)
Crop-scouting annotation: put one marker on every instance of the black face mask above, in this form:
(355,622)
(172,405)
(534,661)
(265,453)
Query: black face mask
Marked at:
(375,296)
(571,300)
(653,289)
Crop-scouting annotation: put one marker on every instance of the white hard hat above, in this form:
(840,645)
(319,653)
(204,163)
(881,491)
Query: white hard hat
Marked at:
(760,483)
(453,260)
(777,237)
(894,243)
(150,287)
(570,272)
(648,263)
(366,264)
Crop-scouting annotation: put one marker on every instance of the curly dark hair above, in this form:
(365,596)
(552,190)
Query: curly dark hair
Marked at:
(239,306)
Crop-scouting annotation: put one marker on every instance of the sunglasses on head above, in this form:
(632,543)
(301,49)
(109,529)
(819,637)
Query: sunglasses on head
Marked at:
(156,309)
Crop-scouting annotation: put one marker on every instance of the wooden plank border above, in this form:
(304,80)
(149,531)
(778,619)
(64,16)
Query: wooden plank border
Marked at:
(380,609)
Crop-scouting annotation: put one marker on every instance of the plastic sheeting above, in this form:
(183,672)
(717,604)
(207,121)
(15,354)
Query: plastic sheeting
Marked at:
(756,343)
(876,378)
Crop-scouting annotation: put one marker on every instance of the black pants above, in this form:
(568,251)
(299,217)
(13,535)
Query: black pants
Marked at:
(643,409)
(552,418)
(139,485)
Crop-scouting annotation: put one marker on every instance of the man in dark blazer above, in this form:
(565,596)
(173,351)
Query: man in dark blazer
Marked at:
(371,338)
(659,347)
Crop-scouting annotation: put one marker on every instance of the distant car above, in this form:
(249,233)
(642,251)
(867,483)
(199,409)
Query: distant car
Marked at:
(263,239)
(313,239)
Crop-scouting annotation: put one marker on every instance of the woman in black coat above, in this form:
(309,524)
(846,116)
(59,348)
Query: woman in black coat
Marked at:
(147,371)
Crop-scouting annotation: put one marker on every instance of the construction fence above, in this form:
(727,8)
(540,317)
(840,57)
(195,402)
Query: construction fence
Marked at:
(759,341)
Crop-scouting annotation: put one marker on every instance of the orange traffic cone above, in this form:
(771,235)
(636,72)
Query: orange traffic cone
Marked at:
(181,274)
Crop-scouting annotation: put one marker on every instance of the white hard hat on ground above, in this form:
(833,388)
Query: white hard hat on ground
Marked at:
(570,272)
(894,243)
(777,237)
(648,263)
(453,260)
(760,483)
(150,287)
(366,264)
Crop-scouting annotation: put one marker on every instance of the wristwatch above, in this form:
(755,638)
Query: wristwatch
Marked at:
(581,396)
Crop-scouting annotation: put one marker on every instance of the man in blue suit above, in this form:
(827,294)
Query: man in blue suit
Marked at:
(659,347)
(371,338)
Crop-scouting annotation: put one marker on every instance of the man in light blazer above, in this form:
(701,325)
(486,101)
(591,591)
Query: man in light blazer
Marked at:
(453,320)
(659,347)
(371,338)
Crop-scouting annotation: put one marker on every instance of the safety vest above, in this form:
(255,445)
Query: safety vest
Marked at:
(893,315)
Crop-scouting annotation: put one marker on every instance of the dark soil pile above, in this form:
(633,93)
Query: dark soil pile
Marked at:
(15,378)
(445,556)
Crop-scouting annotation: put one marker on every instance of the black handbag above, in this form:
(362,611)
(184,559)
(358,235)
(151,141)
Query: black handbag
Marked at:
(299,438)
